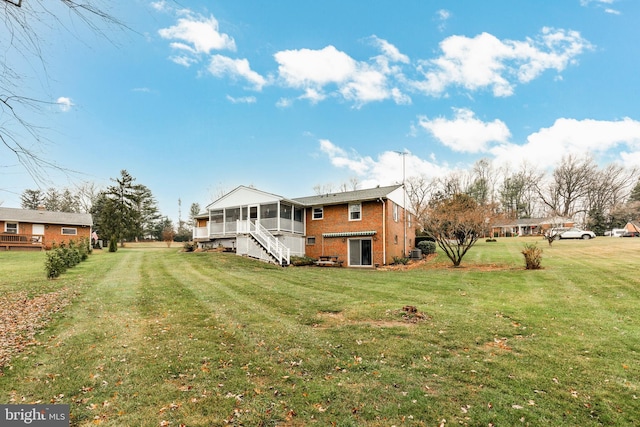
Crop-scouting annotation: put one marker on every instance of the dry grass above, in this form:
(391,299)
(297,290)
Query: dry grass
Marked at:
(159,337)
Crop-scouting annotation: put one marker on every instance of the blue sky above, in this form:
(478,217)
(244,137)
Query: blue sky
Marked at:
(207,95)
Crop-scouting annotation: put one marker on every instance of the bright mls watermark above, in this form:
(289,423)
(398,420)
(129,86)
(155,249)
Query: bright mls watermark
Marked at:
(34,415)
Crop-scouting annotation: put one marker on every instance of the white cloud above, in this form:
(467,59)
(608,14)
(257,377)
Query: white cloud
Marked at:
(185,61)
(601,4)
(587,2)
(160,6)
(442,16)
(465,133)
(306,67)
(330,72)
(544,149)
(341,159)
(64,103)
(570,136)
(389,51)
(385,170)
(242,99)
(197,34)
(222,65)
(486,62)
(284,103)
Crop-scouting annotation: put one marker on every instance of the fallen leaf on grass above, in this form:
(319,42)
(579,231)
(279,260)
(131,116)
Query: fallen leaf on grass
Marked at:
(21,317)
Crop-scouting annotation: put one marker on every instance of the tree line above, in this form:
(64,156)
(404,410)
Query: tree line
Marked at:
(596,197)
(124,211)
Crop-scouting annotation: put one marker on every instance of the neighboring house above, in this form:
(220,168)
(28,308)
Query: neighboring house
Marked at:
(361,228)
(633,227)
(37,229)
(528,226)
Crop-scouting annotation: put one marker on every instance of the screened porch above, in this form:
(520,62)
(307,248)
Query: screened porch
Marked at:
(279,217)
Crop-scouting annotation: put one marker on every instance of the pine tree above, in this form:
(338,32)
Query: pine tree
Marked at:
(31,199)
(126,211)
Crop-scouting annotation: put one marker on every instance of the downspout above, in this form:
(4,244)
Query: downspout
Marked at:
(384,232)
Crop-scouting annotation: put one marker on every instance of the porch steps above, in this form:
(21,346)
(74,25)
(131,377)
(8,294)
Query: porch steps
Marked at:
(280,253)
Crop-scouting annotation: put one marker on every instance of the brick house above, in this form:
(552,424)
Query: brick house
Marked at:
(37,229)
(360,228)
(528,226)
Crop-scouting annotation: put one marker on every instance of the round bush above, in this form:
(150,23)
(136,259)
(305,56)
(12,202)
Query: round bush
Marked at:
(427,247)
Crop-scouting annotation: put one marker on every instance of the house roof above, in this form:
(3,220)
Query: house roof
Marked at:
(347,196)
(532,221)
(242,195)
(634,224)
(45,217)
(520,221)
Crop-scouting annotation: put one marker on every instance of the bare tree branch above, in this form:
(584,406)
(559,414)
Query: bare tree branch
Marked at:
(18,133)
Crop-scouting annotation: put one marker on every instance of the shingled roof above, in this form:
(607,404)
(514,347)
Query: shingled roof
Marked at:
(45,217)
(347,196)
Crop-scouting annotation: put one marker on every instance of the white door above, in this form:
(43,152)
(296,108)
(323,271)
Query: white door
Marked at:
(37,230)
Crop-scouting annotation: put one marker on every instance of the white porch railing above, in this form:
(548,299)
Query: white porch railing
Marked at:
(200,232)
(268,241)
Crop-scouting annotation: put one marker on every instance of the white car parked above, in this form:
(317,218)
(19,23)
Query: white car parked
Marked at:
(576,233)
(617,232)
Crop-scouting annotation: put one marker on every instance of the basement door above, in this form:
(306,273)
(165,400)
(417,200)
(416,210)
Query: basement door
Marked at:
(360,253)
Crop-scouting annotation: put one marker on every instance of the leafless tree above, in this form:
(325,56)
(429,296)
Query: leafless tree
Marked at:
(420,189)
(19,136)
(517,193)
(610,186)
(86,193)
(325,188)
(456,223)
(569,185)
(482,182)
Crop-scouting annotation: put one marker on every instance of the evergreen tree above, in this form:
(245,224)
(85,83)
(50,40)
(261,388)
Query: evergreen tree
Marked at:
(147,212)
(193,212)
(68,202)
(31,199)
(125,210)
(52,200)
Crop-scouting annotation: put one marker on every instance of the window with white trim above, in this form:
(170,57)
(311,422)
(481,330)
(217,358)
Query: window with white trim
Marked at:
(355,211)
(11,227)
(68,231)
(396,212)
(318,213)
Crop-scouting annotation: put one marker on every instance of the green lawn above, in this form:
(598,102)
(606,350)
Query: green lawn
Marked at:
(156,337)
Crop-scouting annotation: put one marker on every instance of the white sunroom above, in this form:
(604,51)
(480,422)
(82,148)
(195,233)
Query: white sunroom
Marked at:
(254,223)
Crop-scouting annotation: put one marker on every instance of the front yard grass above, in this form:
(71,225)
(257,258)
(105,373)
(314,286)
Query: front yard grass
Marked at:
(156,337)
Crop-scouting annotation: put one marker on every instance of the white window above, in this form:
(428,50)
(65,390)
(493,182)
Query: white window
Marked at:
(11,227)
(355,212)
(67,231)
(318,213)
(396,214)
